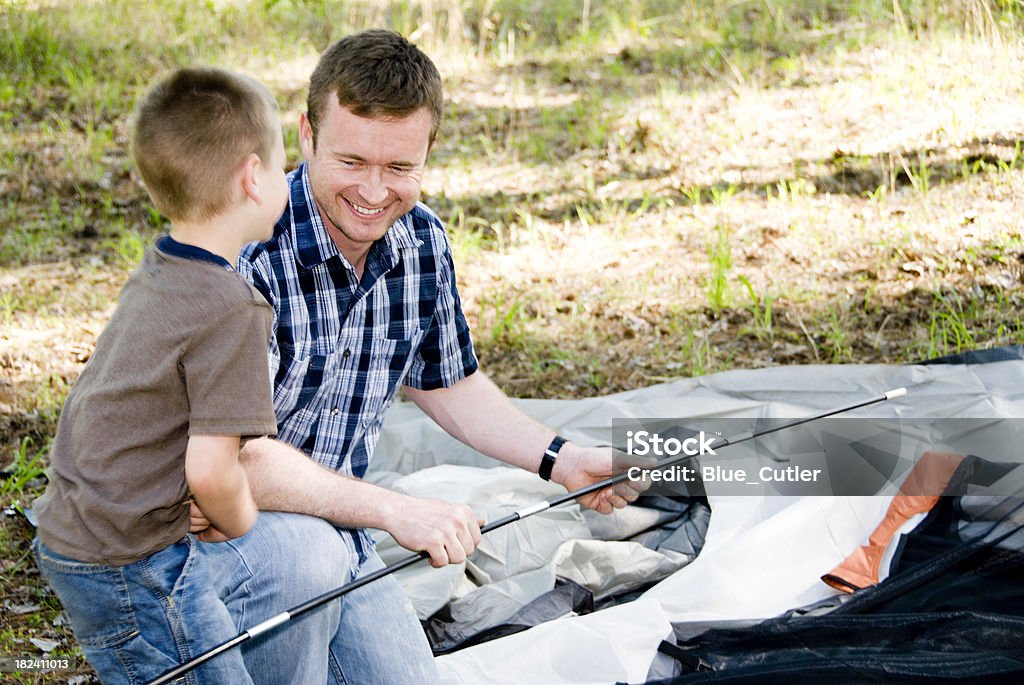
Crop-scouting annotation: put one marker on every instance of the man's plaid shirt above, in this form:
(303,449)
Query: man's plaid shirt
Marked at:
(340,346)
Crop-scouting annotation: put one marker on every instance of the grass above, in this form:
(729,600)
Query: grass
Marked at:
(719,263)
(634,191)
(26,468)
(760,309)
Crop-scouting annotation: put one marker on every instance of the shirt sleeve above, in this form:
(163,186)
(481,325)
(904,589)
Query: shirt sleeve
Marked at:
(227,376)
(446,354)
(254,267)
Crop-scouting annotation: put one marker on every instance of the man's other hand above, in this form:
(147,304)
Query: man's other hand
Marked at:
(577,467)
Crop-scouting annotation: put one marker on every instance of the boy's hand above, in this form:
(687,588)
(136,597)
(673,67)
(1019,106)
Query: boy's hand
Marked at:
(201,526)
(197,523)
(211,534)
(219,485)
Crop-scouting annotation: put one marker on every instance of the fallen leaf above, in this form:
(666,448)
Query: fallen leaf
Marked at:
(20,609)
(45,645)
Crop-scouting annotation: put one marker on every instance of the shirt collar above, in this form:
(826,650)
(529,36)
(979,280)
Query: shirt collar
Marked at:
(172,247)
(313,244)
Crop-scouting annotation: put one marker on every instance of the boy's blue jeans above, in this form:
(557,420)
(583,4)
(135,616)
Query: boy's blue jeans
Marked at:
(137,621)
(132,620)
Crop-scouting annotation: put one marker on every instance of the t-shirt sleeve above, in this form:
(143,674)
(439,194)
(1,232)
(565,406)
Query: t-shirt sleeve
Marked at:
(446,354)
(227,375)
(254,267)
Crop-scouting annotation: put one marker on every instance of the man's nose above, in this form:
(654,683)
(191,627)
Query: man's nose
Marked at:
(372,187)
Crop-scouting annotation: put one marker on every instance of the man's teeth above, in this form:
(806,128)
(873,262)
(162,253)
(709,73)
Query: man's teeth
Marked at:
(366,212)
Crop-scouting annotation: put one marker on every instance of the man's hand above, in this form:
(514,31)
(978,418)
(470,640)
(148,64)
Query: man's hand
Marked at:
(578,467)
(448,532)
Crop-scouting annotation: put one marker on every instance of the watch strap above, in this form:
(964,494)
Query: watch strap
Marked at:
(547,462)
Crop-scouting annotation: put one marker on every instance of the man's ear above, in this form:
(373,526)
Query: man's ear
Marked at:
(306,143)
(249,177)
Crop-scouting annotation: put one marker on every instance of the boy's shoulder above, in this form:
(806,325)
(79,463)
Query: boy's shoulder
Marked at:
(168,279)
(168,299)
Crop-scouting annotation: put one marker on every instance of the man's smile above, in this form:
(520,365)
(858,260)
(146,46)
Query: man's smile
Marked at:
(364,211)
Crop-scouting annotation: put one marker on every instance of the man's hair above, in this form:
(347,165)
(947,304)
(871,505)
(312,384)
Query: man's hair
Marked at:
(375,73)
(190,133)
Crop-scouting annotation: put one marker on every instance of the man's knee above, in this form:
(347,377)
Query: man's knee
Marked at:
(303,553)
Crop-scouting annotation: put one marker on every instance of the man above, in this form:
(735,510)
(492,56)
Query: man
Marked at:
(361,280)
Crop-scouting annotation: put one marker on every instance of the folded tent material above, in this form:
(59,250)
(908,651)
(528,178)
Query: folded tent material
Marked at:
(759,557)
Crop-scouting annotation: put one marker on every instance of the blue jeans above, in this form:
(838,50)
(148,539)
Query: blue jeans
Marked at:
(137,621)
(371,635)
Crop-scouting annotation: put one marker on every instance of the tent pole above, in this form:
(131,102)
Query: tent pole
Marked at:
(544,505)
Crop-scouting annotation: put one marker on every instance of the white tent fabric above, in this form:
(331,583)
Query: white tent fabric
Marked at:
(762,555)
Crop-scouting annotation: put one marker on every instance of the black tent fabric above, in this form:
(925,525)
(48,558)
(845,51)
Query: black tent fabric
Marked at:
(952,610)
(929,647)
(995,354)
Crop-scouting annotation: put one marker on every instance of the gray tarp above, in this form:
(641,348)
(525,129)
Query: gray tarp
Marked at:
(762,555)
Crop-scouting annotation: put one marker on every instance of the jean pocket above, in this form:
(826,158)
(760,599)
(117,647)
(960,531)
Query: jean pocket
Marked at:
(165,572)
(95,596)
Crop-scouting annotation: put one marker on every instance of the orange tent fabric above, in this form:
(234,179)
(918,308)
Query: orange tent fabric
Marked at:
(918,494)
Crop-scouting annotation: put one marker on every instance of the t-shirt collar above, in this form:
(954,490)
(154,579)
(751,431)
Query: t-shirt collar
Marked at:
(170,246)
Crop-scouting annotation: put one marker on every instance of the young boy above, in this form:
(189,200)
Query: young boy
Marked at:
(178,377)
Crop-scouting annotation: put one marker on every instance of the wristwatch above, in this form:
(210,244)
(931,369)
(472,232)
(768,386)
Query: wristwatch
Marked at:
(547,462)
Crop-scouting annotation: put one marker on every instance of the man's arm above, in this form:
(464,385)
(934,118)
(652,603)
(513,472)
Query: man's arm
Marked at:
(284,479)
(478,413)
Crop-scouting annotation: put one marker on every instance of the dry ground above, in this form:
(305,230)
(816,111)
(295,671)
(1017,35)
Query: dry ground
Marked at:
(618,221)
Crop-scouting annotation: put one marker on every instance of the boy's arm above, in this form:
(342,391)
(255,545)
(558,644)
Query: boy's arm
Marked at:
(219,486)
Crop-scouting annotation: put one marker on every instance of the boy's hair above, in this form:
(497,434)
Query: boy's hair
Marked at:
(190,133)
(376,73)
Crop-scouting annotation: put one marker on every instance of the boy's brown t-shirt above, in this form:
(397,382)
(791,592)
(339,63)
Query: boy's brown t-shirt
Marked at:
(185,353)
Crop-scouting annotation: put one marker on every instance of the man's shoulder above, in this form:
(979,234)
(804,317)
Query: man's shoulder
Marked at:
(428,228)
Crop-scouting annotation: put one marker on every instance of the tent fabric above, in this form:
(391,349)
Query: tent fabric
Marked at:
(447,632)
(963,647)
(951,611)
(995,354)
(861,569)
(760,557)
(515,567)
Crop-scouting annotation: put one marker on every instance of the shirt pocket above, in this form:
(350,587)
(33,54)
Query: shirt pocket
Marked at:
(387,362)
(289,382)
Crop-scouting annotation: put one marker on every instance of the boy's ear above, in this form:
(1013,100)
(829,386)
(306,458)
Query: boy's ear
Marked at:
(250,177)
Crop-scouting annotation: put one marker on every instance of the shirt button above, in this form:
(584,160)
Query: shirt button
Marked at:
(346,354)
(334,411)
